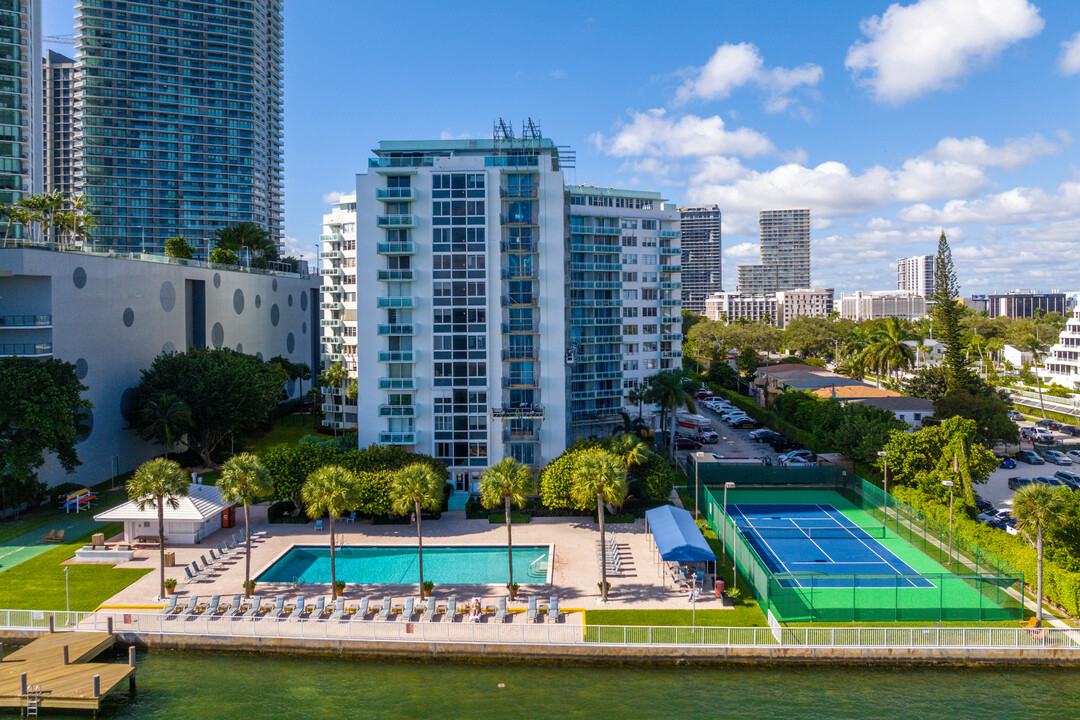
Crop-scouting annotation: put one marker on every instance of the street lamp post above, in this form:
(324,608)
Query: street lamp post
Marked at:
(885,460)
(697,464)
(67,589)
(723,537)
(949,484)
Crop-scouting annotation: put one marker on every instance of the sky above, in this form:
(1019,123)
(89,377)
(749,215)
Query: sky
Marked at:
(891,122)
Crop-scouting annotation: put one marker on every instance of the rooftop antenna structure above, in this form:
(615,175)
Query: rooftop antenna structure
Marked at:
(502,135)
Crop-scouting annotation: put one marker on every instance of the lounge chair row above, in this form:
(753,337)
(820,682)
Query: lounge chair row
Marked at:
(254,608)
(611,555)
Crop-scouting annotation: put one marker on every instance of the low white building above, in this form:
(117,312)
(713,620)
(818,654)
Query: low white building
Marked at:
(809,302)
(1015,356)
(1063,362)
(732,306)
(881,304)
(196,516)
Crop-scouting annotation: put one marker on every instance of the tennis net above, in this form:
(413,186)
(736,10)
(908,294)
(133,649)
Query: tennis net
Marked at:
(814,533)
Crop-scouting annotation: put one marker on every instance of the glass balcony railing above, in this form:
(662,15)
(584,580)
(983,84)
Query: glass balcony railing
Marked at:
(26,350)
(400,162)
(395,194)
(521,327)
(395,221)
(332,255)
(397,411)
(670,234)
(397,356)
(527,353)
(399,330)
(23,322)
(670,285)
(396,248)
(670,251)
(332,305)
(397,302)
(670,268)
(396,438)
(395,275)
(397,383)
(512,161)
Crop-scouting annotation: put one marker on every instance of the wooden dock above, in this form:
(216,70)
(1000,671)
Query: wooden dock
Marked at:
(70,685)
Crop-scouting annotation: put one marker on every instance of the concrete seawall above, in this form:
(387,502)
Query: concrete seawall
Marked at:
(595,653)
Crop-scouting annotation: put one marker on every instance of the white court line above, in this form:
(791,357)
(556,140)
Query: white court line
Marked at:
(772,552)
(870,547)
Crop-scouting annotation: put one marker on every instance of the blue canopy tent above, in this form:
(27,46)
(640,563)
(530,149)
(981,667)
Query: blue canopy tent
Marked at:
(677,538)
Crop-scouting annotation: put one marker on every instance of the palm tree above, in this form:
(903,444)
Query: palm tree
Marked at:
(249,235)
(1038,507)
(303,372)
(34,212)
(83,220)
(629,425)
(330,490)
(510,483)
(412,489)
(1038,350)
(155,484)
(638,395)
(628,448)
(50,203)
(599,476)
(245,479)
(671,390)
(887,351)
(164,419)
(338,375)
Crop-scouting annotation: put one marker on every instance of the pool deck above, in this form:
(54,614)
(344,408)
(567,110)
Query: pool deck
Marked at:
(575,578)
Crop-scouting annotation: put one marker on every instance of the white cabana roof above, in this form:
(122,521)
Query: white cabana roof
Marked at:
(202,503)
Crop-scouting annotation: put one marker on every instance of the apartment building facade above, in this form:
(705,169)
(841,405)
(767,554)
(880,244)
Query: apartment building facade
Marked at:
(1025,303)
(732,306)
(58,90)
(1063,363)
(498,299)
(916,274)
(882,304)
(785,253)
(813,302)
(702,255)
(20,103)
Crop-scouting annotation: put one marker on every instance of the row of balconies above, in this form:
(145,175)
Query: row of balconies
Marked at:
(25,322)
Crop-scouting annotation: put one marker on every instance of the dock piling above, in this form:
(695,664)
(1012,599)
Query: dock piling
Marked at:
(109,624)
(97,686)
(52,624)
(67,656)
(22,684)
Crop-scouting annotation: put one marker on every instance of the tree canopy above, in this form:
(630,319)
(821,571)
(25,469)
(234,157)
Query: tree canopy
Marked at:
(226,392)
(949,451)
(41,407)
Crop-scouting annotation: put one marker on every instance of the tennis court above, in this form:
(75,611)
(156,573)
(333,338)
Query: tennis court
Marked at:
(818,538)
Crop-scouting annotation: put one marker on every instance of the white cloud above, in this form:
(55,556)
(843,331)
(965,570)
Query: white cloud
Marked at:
(1018,206)
(1010,155)
(743,251)
(718,169)
(1069,62)
(292,247)
(654,133)
(336,196)
(734,66)
(557,74)
(450,135)
(914,49)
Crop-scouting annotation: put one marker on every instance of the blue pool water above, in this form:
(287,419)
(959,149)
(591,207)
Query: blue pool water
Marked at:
(399,564)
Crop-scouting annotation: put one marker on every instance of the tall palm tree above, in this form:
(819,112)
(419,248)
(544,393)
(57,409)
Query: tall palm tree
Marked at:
(599,476)
(628,448)
(671,390)
(249,235)
(1031,344)
(84,220)
(50,203)
(415,488)
(155,484)
(638,395)
(330,490)
(338,375)
(245,479)
(510,483)
(34,213)
(164,419)
(1038,507)
(887,352)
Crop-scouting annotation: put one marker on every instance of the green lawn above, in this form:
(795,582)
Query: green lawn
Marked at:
(288,429)
(38,583)
(743,615)
(51,514)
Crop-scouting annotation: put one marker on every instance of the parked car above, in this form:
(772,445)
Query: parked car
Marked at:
(685,443)
(708,437)
(1030,457)
(702,394)
(1070,430)
(1056,457)
(1074,455)
(763,435)
(796,454)
(1047,480)
(1015,483)
(1015,416)
(1005,461)
(984,506)
(745,424)
(1037,436)
(1048,424)
(1071,479)
(783,444)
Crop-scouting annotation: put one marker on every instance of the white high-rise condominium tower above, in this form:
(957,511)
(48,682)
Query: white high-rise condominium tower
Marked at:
(916,274)
(59,158)
(179,118)
(20,103)
(701,256)
(785,253)
(488,311)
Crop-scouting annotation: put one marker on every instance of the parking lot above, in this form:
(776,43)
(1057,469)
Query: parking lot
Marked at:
(733,443)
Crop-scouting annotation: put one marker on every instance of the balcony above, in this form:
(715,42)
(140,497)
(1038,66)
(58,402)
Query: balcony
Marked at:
(25,322)
(406,248)
(521,327)
(519,435)
(400,162)
(670,234)
(670,251)
(525,411)
(332,255)
(512,161)
(670,268)
(332,238)
(332,272)
(671,337)
(670,320)
(330,408)
(593,230)
(518,191)
(332,322)
(592,285)
(528,353)
(670,302)
(397,383)
(395,275)
(599,358)
(37,350)
(396,438)
(519,301)
(594,303)
(397,356)
(521,381)
(397,302)
(518,219)
(397,330)
(332,305)
(395,221)
(672,354)
(523,246)
(671,286)
(334,357)
(395,194)
(595,267)
(594,321)
(397,411)
(520,273)
(606,249)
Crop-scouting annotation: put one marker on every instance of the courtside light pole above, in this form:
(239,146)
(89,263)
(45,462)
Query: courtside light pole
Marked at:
(949,484)
(723,537)
(885,460)
(67,589)
(697,464)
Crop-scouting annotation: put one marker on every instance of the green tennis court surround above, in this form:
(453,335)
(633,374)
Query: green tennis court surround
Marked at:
(947,582)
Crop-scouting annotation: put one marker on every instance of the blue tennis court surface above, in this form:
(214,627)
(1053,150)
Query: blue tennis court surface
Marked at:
(820,539)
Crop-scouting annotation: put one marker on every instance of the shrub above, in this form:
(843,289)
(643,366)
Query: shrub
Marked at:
(515,518)
(223,256)
(556,478)
(652,479)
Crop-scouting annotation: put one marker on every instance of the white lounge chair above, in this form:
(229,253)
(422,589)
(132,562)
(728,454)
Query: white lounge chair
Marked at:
(410,609)
(339,609)
(190,607)
(212,607)
(255,607)
(384,611)
(429,610)
(320,607)
(278,609)
(300,607)
(451,609)
(233,608)
(530,614)
(500,612)
(170,605)
(362,611)
(553,609)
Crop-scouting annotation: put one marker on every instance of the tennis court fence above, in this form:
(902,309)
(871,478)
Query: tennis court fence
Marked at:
(977,586)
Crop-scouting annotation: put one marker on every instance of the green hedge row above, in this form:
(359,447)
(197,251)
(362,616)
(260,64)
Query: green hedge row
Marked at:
(772,420)
(1061,586)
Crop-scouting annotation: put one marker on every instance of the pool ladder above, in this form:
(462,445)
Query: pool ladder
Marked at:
(33,701)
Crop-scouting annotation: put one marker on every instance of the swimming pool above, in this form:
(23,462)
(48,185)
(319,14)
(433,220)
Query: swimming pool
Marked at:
(443,565)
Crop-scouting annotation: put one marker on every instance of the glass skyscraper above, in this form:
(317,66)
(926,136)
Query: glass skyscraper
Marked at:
(20,101)
(180,117)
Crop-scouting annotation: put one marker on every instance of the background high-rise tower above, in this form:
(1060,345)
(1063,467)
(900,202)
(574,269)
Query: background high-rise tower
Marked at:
(59,120)
(20,101)
(916,274)
(785,253)
(701,256)
(179,118)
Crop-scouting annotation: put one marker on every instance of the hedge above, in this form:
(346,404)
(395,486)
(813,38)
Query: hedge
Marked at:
(772,420)
(1060,586)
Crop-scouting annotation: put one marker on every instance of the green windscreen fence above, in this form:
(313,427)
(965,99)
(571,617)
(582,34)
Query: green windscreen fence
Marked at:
(953,580)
